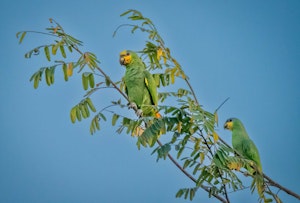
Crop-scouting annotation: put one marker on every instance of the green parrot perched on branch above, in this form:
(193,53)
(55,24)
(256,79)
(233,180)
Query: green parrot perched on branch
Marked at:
(140,85)
(245,147)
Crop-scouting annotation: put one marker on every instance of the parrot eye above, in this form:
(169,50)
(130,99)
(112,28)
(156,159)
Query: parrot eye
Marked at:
(229,120)
(127,53)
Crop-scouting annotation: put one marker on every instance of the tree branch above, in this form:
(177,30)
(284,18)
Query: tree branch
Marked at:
(271,182)
(191,177)
(275,184)
(160,41)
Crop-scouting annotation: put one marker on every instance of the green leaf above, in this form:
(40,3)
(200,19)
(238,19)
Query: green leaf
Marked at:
(151,133)
(52,71)
(162,79)
(107,81)
(54,48)
(114,119)
(73,114)
(22,36)
(134,28)
(179,193)
(62,50)
(78,113)
(86,108)
(70,48)
(85,82)
(186,163)
(268,200)
(186,194)
(196,169)
(83,110)
(47,53)
(163,151)
(91,80)
(92,127)
(48,76)
(180,152)
(90,104)
(28,54)
(37,79)
(157,79)
(126,12)
(65,70)
(192,194)
(97,124)
(102,116)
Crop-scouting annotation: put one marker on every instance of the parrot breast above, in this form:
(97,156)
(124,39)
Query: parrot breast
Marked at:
(135,85)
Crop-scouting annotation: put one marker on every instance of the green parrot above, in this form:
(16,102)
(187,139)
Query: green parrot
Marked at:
(140,85)
(242,143)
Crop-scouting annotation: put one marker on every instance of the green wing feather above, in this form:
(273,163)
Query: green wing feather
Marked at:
(151,86)
(250,152)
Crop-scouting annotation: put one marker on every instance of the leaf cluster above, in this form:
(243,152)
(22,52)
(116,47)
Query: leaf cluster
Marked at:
(200,152)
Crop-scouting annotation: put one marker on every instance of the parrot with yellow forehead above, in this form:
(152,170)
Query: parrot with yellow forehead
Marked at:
(140,85)
(242,143)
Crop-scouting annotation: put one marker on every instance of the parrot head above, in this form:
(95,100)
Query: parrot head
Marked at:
(233,124)
(126,57)
(229,124)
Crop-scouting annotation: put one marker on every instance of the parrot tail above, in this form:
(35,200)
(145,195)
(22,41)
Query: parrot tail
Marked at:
(258,182)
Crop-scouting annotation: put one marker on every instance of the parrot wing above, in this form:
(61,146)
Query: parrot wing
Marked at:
(250,152)
(151,86)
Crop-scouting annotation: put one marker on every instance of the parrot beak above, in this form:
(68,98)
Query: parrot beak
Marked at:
(122,60)
(125,58)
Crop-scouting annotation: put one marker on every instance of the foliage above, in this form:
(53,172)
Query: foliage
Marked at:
(204,157)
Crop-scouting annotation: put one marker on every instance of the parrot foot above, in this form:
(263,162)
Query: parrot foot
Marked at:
(133,106)
(139,113)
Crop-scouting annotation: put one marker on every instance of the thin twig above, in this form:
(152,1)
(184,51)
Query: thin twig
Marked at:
(192,90)
(222,104)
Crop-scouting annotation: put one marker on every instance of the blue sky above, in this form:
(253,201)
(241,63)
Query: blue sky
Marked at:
(245,50)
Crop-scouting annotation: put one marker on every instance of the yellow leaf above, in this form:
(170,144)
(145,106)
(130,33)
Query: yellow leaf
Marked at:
(183,75)
(234,165)
(70,69)
(173,75)
(165,57)
(172,78)
(122,86)
(175,62)
(179,127)
(138,131)
(86,57)
(202,156)
(55,30)
(216,118)
(159,53)
(215,136)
